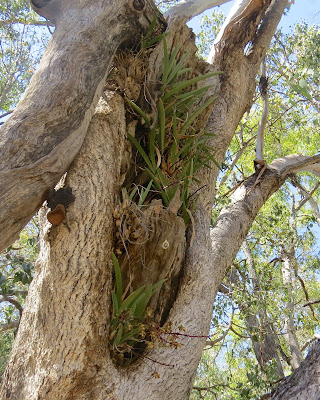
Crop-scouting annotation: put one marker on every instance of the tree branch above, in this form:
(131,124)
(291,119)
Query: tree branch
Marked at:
(311,302)
(237,12)
(267,28)
(9,326)
(187,9)
(307,197)
(25,22)
(213,342)
(303,383)
(296,163)
(310,341)
(9,299)
(263,85)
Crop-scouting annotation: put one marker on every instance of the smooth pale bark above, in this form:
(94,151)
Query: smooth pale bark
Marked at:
(187,9)
(234,15)
(294,163)
(61,351)
(46,130)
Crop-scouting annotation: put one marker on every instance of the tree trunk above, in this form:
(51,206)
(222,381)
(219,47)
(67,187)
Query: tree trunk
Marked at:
(62,348)
(266,343)
(303,384)
(52,118)
(289,326)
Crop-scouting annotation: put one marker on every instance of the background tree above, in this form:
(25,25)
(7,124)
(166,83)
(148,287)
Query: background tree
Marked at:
(267,333)
(21,48)
(23,39)
(76,281)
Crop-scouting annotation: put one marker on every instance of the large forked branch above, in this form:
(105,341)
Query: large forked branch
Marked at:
(43,135)
(45,132)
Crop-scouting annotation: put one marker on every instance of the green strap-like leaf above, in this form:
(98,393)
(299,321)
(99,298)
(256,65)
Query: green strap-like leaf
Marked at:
(139,111)
(118,277)
(145,193)
(182,85)
(130,335)
(195,114)
(117,339)
(142,152)
(131,299)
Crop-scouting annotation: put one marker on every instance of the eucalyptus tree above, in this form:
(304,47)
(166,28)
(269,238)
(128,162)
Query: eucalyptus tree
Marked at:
(133,126)
(267,308)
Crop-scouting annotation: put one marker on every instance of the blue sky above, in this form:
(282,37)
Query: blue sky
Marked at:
(307,10)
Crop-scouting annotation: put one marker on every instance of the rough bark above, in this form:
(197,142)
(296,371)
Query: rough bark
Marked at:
(62,349)
(46,130)
(74,280)
(303,384)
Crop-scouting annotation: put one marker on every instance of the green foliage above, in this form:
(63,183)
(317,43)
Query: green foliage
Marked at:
(142,194)
(6,342)
(22,44)
(21,47)
(16,273)
(176,150)
(149,39)
(210,27)
(173,153)
(231,370)
(17,262)
(129,314)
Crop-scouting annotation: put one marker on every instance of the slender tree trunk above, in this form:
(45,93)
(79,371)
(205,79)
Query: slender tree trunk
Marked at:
(267,346)
(289,325)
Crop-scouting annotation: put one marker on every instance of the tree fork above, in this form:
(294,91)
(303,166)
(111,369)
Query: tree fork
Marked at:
(47,128)
(75,281)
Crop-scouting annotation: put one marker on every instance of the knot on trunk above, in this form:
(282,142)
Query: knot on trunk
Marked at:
(138,5)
